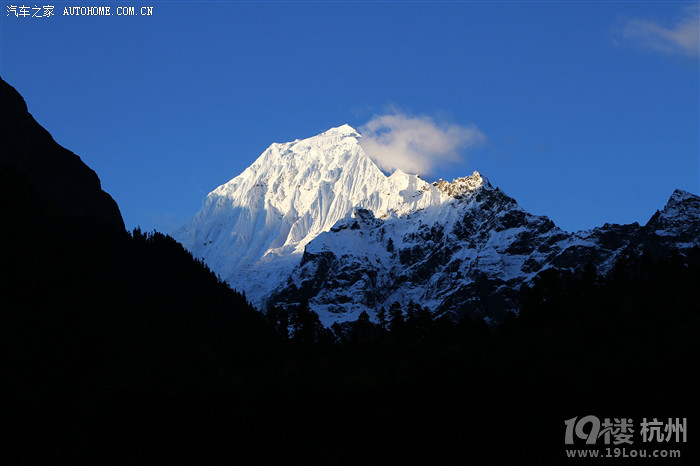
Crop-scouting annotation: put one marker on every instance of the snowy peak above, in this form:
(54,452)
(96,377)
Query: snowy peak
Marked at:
(672,221)
(680,205)
(260,221)
(341,130)
(316,220)
(680,197)
(295,160)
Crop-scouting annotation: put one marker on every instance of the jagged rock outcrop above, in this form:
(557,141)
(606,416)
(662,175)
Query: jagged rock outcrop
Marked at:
(316,220)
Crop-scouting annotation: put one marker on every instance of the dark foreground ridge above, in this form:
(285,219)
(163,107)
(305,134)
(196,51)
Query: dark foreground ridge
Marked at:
(122,349)
(57,173)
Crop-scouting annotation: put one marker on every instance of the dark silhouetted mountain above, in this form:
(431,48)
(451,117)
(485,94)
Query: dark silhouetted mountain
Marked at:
(114,344)
(56,172)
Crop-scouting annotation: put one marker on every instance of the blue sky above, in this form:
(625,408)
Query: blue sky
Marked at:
(589,112)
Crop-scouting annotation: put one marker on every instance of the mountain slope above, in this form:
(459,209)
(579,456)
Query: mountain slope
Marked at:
(259,222)
(470,253)
(316,221)
(58,173)
(469,256)
(114,344)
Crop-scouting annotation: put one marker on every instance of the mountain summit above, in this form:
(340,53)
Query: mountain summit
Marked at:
(317,221)
(253,230)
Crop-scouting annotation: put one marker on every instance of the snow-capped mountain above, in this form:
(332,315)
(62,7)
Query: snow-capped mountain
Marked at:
(253,230)
(316,220)
(469,255)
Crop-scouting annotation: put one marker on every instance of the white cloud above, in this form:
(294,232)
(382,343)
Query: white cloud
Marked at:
(683,37)
(414,144)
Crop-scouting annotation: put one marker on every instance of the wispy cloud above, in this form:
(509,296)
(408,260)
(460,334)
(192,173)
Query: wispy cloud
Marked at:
(683,37)
(415,144)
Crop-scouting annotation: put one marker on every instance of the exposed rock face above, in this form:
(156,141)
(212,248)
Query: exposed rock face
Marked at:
(59,174)
(316,220)
(470,255)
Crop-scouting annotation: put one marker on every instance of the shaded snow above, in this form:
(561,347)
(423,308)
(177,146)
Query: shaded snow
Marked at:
(252,231)
(391,238)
